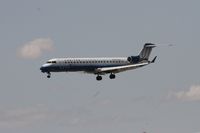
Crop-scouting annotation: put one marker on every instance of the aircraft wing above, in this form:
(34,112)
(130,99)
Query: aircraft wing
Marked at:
(118,69)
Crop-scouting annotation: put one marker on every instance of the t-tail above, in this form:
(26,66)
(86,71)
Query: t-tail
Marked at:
(144,54)
(146,51)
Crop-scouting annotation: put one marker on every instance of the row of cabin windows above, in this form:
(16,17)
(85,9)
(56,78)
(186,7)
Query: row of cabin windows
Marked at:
(94,61)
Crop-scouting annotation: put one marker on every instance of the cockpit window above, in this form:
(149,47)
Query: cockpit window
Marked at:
(51,62)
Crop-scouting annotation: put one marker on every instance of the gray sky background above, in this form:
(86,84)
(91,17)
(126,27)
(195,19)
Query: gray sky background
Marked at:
(161,98)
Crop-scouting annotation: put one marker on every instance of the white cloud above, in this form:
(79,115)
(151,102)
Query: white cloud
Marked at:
(34,49)
(192,94)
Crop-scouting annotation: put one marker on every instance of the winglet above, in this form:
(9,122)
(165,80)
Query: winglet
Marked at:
(154,59)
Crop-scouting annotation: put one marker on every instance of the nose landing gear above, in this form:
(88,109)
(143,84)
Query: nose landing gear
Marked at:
(49,75)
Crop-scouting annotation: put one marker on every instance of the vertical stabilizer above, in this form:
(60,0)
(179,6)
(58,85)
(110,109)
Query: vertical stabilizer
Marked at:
(146,51)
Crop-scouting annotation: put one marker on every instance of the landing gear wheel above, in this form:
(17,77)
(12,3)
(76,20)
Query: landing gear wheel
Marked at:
(112,76)
(49,75)
(98,78)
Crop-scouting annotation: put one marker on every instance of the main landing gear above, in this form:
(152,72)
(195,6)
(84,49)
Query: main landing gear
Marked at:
(99,78)
(112,76)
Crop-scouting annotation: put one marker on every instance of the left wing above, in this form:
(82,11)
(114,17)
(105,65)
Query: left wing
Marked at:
(118,69)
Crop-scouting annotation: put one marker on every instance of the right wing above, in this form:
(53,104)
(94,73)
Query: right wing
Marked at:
(118,69)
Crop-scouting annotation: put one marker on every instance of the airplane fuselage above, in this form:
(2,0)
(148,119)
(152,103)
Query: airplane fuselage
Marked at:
(82,64)
(99,66)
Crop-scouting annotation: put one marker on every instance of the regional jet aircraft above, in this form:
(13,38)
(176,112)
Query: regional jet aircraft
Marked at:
(99,66)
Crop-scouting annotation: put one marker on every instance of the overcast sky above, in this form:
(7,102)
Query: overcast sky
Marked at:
(161,98)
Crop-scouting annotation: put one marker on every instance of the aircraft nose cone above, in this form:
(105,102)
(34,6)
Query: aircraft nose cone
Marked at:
(45,67)
(42,68)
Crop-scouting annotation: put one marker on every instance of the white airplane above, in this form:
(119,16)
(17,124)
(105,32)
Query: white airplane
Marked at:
(100,66)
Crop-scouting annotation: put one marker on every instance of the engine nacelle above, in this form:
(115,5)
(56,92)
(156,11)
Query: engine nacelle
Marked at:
(133,59)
